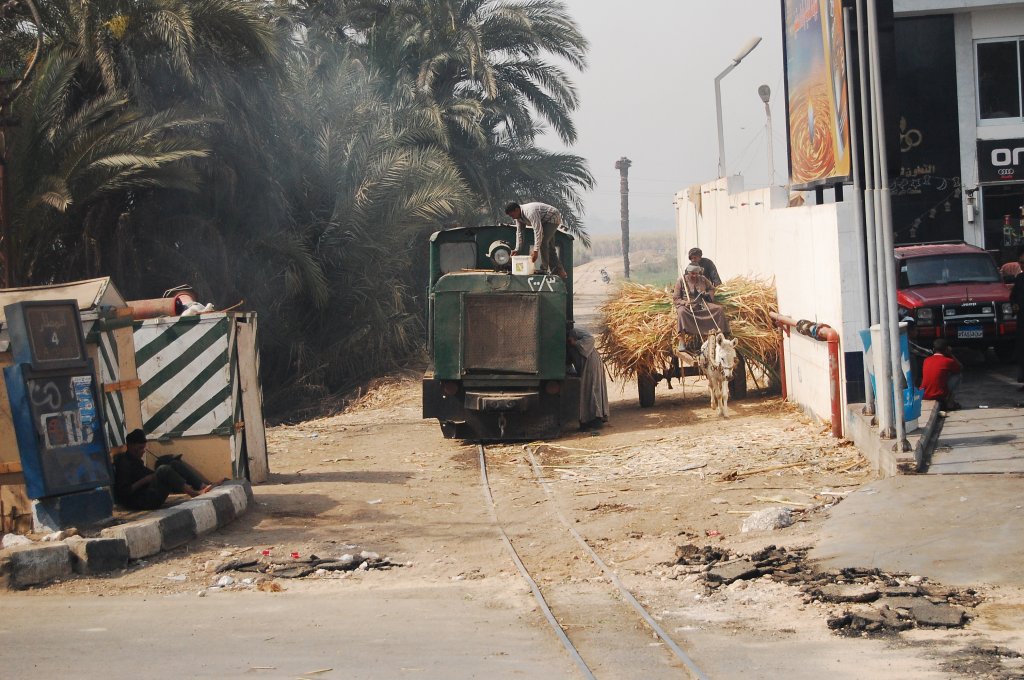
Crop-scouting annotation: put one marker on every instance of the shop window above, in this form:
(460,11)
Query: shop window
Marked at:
(1003,206)
(1000,79)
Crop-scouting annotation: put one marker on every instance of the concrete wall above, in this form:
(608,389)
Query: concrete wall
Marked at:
(810,251)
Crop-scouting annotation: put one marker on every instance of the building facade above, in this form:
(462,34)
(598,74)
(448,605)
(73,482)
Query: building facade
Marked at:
(960,58)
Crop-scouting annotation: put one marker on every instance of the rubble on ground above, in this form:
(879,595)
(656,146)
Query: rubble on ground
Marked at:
(297,567)
(986,661)
(870,601)
(768,519)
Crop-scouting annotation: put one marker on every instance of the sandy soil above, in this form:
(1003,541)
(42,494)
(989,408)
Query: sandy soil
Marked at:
(381,479)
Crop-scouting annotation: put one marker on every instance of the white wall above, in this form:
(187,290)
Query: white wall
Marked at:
(811,251)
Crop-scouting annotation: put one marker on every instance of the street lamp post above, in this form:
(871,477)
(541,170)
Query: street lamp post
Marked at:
(765,93)
(747,49)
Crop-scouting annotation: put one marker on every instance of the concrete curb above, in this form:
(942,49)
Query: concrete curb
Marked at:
(160,530)
(881,453)
(930,436)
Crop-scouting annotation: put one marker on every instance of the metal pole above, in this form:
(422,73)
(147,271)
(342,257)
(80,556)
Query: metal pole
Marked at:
(744,51)
(887,264)
(899,383)
(867,145)
(858,205)
(771,155)
(718,117)
(884,402)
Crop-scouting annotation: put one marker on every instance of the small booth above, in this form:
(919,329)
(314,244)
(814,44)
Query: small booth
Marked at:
(200,392)
(191,382)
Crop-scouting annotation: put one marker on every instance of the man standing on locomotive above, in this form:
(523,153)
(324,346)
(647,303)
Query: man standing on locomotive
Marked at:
(545,220)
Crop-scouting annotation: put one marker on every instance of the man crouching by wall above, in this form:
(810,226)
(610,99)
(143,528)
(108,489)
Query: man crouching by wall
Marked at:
(940,376)
(136,487)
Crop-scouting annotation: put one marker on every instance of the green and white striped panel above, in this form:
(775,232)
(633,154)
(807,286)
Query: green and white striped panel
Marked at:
(186,378)
(113,402)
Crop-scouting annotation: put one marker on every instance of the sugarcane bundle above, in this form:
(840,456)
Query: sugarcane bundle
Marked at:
(640,327)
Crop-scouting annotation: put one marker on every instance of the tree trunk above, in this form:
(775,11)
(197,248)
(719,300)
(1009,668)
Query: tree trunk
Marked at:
(622,165)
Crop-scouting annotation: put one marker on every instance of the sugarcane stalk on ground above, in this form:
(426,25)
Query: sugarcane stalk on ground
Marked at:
(640,327)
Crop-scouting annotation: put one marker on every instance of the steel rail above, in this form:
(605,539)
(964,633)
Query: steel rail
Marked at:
(559,631)
(612,576)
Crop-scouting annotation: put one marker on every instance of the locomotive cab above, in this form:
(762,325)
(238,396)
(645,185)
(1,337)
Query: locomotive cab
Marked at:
(497,340)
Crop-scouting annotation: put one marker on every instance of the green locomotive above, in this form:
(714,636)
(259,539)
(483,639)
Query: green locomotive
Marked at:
(497,340)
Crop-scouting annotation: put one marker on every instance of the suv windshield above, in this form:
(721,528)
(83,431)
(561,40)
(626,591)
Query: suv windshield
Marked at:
(936,270)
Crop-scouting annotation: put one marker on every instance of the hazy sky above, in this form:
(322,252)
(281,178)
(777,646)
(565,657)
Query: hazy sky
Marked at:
(648,94)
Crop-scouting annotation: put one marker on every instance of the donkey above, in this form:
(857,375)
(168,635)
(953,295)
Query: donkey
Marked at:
(717,360)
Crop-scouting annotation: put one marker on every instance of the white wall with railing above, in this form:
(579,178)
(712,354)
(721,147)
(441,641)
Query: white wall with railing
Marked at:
(810,251)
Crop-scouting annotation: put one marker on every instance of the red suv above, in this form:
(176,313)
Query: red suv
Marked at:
(954,291)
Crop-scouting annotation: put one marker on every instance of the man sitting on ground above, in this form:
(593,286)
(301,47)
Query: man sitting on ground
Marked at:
(136,487)
(940,376)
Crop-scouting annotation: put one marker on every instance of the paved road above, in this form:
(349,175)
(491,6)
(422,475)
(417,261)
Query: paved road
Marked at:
(458,631)
(955,529)
(955,524)
(590,291)
(987,435)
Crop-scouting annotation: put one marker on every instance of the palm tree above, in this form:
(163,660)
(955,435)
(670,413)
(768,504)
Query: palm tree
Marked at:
(509,170)
(77,165)
(294,154)
(376,185)
(479,62)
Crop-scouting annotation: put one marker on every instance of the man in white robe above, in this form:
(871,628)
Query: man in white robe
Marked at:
(593,383)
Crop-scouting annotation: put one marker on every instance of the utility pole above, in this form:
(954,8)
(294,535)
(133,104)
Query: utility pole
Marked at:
(10,87)
(765,93)
(622,165)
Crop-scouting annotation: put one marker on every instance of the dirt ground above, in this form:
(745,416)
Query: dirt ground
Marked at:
(378,478)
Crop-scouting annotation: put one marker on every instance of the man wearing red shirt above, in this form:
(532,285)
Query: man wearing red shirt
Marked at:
(940,376)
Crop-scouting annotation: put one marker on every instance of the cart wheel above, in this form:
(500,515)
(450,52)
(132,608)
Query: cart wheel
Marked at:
(645,386)
(738,384)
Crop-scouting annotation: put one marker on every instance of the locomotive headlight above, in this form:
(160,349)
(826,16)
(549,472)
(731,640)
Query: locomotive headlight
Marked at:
(500,254)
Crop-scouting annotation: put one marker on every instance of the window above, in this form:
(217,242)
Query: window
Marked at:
(999,79)
(1002,206)
(457,256)
(938,270)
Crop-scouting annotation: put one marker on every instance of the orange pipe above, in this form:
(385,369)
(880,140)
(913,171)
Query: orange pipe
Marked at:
(825,333)
(156,307)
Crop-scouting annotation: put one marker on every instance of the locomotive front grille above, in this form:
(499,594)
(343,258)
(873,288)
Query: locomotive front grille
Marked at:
(501,333)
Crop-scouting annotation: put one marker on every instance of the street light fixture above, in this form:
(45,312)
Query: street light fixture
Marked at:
(747,49)
(765,93)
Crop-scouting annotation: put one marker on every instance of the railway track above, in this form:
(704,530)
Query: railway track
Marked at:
(624,640)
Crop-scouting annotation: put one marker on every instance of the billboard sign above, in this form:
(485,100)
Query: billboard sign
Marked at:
(817,109)
(1000,160)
